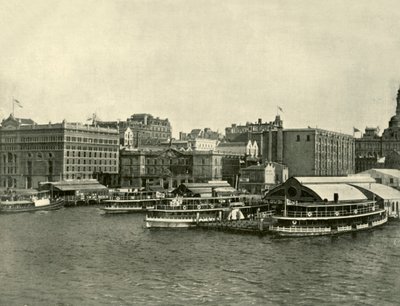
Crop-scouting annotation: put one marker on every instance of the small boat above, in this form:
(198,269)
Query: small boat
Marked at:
(129,202)
(190,212)
(27,203)
(312,219)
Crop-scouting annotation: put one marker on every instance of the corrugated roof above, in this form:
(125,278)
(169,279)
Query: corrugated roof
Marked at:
(335,179)
(392,172)
(345,192)
(225,189)
(382,191)
(76,185)
(200,190)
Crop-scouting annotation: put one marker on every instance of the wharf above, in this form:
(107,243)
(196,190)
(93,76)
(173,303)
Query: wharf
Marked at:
(251,226)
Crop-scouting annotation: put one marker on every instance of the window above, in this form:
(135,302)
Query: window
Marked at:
(391,180)
(308,138)
(298,138)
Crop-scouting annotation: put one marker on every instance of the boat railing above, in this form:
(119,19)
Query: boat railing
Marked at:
(336,213)
(188,207)
(300,229)
(132,197)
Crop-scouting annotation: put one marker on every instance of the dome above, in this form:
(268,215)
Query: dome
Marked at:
(394,121)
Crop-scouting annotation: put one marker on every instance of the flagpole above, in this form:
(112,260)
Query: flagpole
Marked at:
(12,101)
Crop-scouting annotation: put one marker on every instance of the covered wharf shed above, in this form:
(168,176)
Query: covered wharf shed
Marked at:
(387,195)
(319,189)
(210,189)
(77,191)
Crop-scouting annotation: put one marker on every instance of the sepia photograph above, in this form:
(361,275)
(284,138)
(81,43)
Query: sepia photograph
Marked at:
(186,152)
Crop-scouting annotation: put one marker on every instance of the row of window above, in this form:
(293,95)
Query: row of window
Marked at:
(89,161)
(91,154)
(90,169)
(84,148)
(91,140)
(28,139)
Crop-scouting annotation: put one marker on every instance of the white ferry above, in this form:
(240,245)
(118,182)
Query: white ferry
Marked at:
(128,202)
(307,219)
(190,212)
(309,209)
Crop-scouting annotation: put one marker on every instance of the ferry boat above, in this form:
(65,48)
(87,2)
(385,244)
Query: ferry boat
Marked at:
(189,212)
(27,203)
(308,219)
(315,209)
(128,202)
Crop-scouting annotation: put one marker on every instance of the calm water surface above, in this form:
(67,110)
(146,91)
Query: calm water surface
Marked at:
(78,256)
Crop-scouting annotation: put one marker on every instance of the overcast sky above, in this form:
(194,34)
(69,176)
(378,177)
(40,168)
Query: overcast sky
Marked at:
(331,64)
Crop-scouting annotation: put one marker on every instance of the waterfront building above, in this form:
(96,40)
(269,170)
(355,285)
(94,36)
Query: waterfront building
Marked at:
(208,189)
(260,178)
(169,167)
(33,153)
(305,151)
(145,129)
(388,177)
(147,167)
(313,151)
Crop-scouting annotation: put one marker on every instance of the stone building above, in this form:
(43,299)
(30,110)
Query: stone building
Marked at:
(145,129)
(155,167)
(318,152)
(371,148)
(260,178)
(169,167)
(33,153)
(306,151)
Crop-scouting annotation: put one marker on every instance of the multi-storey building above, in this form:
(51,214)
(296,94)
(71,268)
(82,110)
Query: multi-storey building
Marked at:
(206,133)
(251,131)
(144,129)
(306,151)
(313,151)
(33,153)
(371,148)
(168,167)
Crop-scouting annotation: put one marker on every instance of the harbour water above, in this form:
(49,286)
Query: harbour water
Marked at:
(78,256)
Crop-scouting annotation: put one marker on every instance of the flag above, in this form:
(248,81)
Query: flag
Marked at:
(18,103)
(355,130)
(280,108)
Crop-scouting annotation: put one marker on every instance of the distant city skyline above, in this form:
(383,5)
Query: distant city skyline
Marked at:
(332,65)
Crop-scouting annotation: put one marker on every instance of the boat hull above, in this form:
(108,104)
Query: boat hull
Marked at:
(52,206)
(117,210)
(319,231)
(175,223)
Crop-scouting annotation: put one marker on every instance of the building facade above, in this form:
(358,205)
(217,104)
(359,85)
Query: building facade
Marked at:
(306,151)
(169,167)
(371,146)
(318,152)
(260,178)
(145,129)
(33,153)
